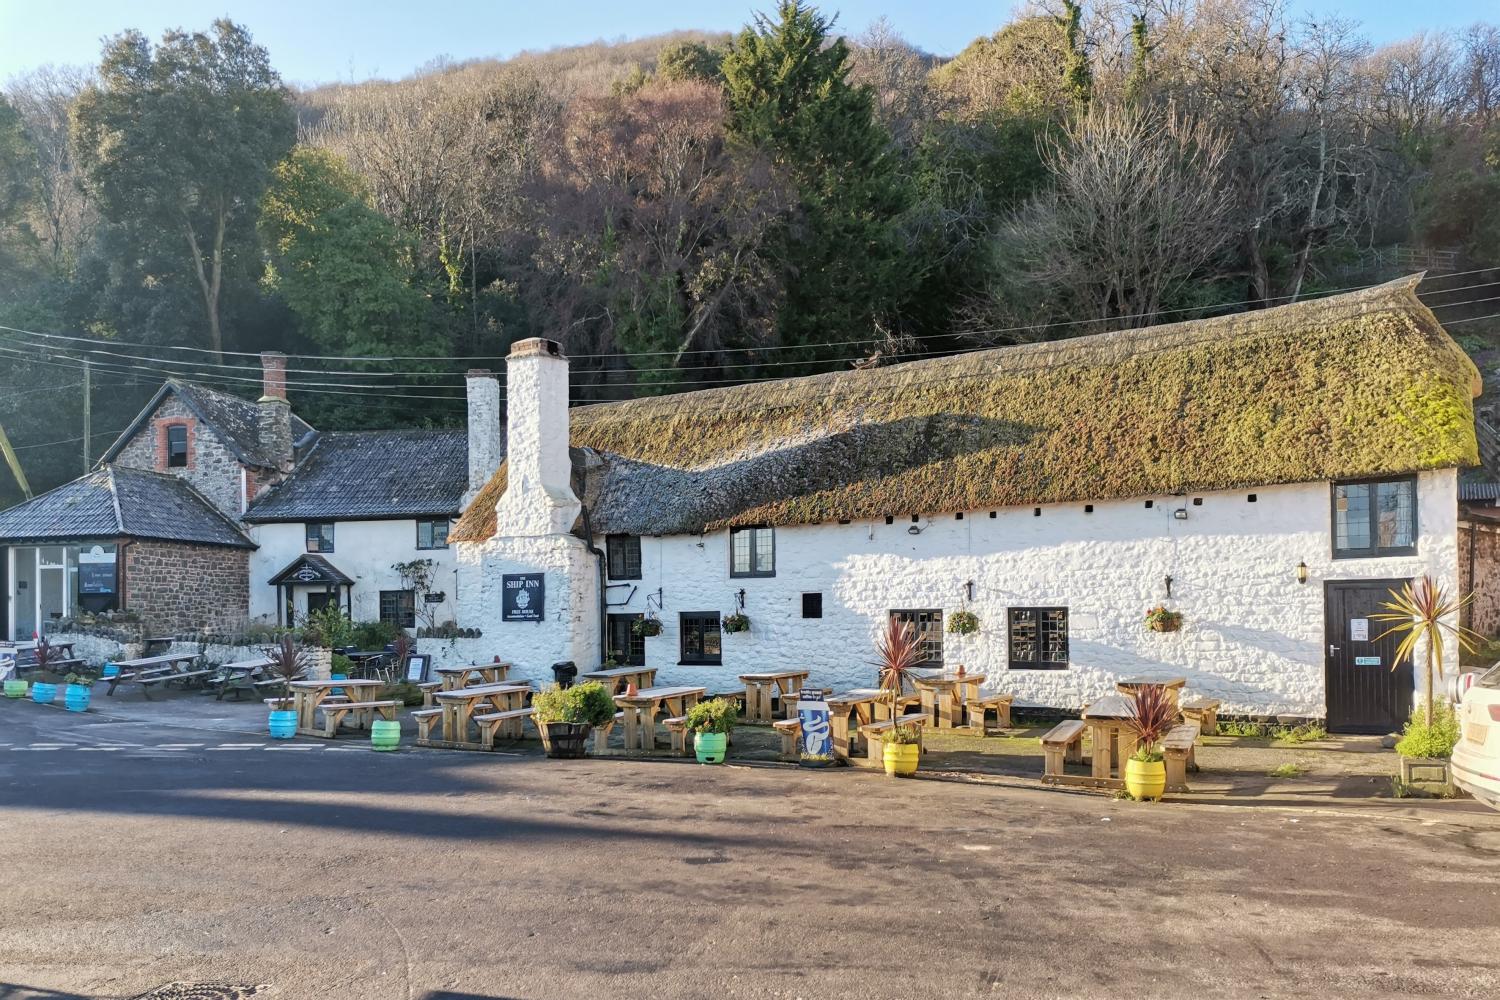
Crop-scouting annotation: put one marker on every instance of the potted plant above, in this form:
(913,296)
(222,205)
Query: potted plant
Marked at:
(963,622)
(646,627)
(567,715)
(1160,619)
(15,687)
(711,722)
(898,652)
(44,688)
(1146,770)
(736,622)
(1425,747)
(80,688)
(288,662)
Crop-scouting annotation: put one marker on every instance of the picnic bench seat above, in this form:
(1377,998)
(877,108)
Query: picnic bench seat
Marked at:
(145,678)
(428,689)
(790,731)
(335,711)
(1063,743)
(1202,712)
(490,722)
(1177,749)
(601,735)
(976,708)
(874,737)
(425,717)
(677,729)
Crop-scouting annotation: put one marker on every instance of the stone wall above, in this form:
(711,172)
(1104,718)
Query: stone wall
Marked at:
(212,468)
(1479,573)
(181,587)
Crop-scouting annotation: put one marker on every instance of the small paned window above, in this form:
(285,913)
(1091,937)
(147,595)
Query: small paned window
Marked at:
(626,646)
(623,557)
(1375,518)
(177,447)
(929,626)
(1038,638)
(700,638)
(432,534)
(399,607)
(752,552)
(320,536)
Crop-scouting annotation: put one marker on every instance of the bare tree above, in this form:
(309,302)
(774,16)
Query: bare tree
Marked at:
(43,98)
(897,73)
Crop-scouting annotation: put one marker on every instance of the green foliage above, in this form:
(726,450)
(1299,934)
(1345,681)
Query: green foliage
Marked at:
(647,626)
(1161,619)
(80,679)
(902,735)
(341,664)
(1309,732)
(406,692)
(1079,77)
(1148,755)
(737,622)
(374,635)
(582,704)
(963,623)
(691,61)
(1436,738)
(1288,770)
(716,715)
(328,627)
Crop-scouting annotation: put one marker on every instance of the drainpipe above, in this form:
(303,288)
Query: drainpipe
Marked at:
(588,541)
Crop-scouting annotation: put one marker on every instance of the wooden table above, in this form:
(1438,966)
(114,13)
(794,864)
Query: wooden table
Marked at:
(461,704)
(863,704)
(241,675)
(1113,741)
(1174,686)
(308,695)
(617,679)
(759,689)
(148,670)
(640,711)
(946,693)
(454,678)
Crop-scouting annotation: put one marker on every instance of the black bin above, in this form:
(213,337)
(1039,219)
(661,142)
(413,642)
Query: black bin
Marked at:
(565,673)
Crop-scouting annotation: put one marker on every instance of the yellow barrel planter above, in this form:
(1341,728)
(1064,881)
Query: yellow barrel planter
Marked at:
(1145,779)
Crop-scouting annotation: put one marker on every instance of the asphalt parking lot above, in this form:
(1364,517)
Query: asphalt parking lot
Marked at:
(139,855)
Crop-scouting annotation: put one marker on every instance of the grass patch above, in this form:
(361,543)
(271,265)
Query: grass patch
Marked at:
(1286,735)
(1292,735)
(1287,770)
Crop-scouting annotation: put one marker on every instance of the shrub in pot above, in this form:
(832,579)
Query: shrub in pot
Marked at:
(567,715)
(1146,770)
(963,623)
(1160,619)
(44,685)
(79,690)
(288,661)
(711,722)
(901,750)
(897,654)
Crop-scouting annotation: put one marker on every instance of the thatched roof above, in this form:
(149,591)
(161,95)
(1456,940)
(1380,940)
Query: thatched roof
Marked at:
(1353,385)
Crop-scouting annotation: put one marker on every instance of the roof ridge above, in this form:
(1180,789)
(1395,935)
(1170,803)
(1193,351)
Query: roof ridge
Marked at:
(114,498)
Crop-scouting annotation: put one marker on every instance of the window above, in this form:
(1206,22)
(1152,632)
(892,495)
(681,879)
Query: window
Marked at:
(320,536)
(752,552)
(700,637)
(1038,638)
(812,605)
(177,447)
(317,602)
(624,557)
(399,607)
(628,648)
(1375,518)
(432,534)
(929,626)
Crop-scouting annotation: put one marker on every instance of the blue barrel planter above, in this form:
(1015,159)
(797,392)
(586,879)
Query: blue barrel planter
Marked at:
(385,735)
(15,689)
(337,677)
(43,694)
(111,669)
(76,697)
(710,747)
(283,724)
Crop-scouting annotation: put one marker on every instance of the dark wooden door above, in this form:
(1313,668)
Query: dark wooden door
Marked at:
(1364,695)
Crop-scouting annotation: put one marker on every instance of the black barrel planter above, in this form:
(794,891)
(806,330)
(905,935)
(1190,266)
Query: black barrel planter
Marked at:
(567,740)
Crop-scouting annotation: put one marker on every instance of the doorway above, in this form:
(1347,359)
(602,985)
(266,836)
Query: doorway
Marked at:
(1364,695)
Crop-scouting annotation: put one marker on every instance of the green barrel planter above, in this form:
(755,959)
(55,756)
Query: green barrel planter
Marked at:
(43,694)
(710,747)
(15,689)
(76,697)
(385,734)
(282,724)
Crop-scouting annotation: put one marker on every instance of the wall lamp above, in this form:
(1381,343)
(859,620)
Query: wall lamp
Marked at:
(1302,572)
(1180,513)
(915,529)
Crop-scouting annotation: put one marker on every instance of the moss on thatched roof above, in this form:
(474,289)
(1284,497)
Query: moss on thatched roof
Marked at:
(1353,385)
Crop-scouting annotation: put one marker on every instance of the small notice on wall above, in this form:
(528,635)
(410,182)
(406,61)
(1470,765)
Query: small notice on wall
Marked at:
(523,597)
(1359,630)
(1367,661)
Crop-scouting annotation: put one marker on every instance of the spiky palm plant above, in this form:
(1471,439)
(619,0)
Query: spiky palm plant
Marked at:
(1154,716)
(287,664)
(898,651)
(1421,616)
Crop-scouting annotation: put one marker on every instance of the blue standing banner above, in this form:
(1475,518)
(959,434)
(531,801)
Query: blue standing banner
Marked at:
(817,735)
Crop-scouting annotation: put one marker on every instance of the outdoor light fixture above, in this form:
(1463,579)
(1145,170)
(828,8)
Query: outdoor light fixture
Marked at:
(915,529)
(969,590)
(1169,584)
(1302,572)
(1180,513)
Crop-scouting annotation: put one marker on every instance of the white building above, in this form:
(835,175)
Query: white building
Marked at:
(1268,475)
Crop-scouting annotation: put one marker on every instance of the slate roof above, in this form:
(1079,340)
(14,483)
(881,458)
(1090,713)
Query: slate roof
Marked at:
(112,502)
(354,475)
(325,570)
(236,420)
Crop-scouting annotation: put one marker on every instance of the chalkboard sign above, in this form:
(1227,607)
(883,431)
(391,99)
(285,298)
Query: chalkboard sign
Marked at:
(523,597)
(96,571)
(417,665)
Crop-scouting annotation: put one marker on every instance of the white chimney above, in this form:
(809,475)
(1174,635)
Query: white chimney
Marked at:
(538,496)
(484,429)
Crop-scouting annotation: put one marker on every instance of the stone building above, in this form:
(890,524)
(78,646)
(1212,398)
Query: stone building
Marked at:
(1269,475)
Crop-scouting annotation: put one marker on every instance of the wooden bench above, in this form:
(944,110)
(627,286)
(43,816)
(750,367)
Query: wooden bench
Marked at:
(875,742)
(975,709)
(1063,744)
(790,731)
(601,735)
(490,723)
(428,689)
(424,718)
(334,713)
(1177,749)
(677,729)
(1202,712)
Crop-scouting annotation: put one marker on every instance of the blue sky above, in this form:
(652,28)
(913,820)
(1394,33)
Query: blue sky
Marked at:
(315,41)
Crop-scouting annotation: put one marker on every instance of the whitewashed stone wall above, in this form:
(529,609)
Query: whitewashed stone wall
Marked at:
(1252,634)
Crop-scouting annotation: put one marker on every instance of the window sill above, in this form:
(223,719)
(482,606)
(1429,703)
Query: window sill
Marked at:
(700,663)
(1378,554)
(1033,666)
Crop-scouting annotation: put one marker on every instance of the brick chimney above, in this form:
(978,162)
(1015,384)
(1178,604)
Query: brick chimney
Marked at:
(485,451)
(275,416)
(538,496)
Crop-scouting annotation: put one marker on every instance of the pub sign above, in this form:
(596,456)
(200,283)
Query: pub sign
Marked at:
(523,597)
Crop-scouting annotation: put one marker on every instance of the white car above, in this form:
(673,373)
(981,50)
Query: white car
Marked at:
(1476,758)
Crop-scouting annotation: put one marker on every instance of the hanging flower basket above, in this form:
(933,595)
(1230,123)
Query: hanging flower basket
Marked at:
(1159,619)
(646,627)
(737,622)
(963,623)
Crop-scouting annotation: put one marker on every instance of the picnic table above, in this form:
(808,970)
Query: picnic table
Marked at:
(1113,742)
(164,668)
(863,704)
(641,708)
(460,705)
(946,693)
(243,675)
(462,676)
(308,696)
(759,689)
(617,679)
(1174,686)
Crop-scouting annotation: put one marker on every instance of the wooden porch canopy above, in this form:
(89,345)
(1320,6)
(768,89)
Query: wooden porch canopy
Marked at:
(314,572)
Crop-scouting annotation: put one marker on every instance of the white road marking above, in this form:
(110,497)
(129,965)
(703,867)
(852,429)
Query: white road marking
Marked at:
(179,746)
(49,746)
(238,746)
(298,746)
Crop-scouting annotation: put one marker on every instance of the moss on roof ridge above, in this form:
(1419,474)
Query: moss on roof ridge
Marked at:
(1291,394)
